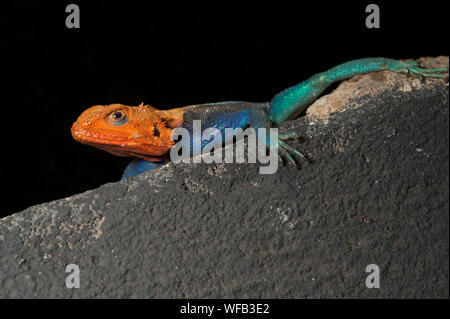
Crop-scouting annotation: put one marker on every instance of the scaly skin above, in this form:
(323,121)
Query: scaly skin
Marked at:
(101,126)
(144,132)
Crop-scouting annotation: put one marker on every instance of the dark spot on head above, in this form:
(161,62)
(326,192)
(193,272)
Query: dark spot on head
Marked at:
(156,131)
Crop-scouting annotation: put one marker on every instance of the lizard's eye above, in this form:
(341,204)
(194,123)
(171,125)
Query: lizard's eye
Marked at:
(118,118)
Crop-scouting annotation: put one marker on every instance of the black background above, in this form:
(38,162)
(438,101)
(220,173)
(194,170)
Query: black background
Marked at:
(168,55)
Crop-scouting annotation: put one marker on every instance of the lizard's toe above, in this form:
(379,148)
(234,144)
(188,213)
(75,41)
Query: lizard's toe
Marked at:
(414,69)
(289,153)
(288,136)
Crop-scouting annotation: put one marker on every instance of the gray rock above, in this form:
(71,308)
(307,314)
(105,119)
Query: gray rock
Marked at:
(374,192)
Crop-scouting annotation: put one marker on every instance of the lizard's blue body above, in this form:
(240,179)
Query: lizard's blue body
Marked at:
(285,105)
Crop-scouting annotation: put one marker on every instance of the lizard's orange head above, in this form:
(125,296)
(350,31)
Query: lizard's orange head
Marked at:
(138,131)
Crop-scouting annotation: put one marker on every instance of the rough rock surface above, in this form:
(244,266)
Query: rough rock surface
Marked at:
(375,192)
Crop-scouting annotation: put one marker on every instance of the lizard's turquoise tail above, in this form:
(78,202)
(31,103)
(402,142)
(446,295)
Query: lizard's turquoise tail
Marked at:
(294,100)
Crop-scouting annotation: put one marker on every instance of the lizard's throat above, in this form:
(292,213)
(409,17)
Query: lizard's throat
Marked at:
(120,145)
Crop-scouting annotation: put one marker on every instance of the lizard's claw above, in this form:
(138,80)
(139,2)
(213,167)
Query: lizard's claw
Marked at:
(288,136)
(288,152)
(414,69)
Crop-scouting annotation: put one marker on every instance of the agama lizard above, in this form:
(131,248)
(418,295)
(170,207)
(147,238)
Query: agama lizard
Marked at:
(144,132)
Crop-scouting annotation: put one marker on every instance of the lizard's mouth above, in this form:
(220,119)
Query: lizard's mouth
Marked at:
(119,145)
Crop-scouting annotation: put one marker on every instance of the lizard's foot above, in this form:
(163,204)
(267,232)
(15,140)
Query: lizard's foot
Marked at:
(413,68)
(287,151)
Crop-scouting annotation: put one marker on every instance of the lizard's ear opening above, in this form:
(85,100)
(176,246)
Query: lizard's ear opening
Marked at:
(156,131)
